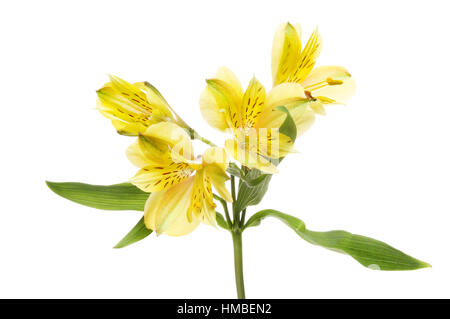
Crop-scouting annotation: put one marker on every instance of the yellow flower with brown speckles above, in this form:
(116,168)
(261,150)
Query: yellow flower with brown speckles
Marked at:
(292,64)
(180,185)
(132,108)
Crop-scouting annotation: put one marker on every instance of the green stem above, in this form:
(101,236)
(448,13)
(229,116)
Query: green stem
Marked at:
(195,135)
(225,209)
(238,268)
(242,223)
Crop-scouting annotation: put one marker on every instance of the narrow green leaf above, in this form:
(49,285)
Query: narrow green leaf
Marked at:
(123,196)
(369,252)
(138,233)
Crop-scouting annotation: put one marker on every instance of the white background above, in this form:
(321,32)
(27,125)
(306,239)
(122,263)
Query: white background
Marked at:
(377,167)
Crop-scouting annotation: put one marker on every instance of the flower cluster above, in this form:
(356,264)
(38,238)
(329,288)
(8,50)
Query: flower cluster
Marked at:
(181,184)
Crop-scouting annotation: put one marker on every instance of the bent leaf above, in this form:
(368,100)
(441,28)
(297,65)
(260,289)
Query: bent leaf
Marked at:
(234,170)
(369,252)
(288,127)
(252,195)
(138,233)
(123,196)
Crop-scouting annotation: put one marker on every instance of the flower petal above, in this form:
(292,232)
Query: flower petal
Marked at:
(308,57)
(154,178)
(303,116)
(285,50)
(248,157)
(220,102)
(155,98)
(212,111)
(273,144)
(228,101)
(137,157)
(126,116)
(332,83)
(280,95)
(253,103)
(166,211)
(226,75)
(175,137)
(202,204)
(215,161)
(131,93)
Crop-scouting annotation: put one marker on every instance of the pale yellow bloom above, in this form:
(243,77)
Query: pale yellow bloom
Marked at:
(134,107)
(290,63)
(180,185)
(252,117)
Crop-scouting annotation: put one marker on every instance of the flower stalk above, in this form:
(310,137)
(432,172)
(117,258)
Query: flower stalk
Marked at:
(238,265)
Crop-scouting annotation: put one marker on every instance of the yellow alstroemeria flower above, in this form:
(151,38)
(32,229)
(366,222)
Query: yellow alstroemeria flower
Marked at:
(134,107)
(290,63)
(252,117)
(181,194)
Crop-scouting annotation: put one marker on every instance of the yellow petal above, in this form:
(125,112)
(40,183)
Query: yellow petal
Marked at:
(332,83)
(285,50)
(155,98)
(202,204)
(248,157)
(166,211)
(253,103)
(154,178)
(220,102)
(273,144)
(175,137)
(212,111)
(281,95)
(155,151)
(317,107)
(303,116)
(131,93)
(226,75)
(308,57)
(215,161)
(228,101)
(126,116)
(137,157)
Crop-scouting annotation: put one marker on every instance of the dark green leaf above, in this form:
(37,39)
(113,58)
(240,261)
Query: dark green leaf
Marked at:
(368,252)
(123,196)
(138,233)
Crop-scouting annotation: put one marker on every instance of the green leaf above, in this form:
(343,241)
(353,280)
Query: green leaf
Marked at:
(138,233)
(234,170)
(369,252)
(221,221)
(252,195)
(288,127)
(123,196)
